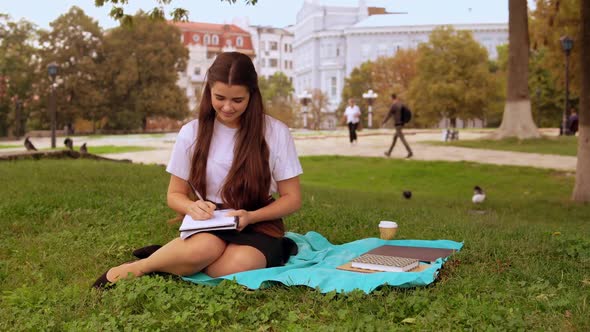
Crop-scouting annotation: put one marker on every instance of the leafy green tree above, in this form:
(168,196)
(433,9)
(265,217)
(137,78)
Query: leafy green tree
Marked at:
(452,80)
(141,68)
(178,14)
(18,62)
(498,68)
(551,20)
(393,75)
(317,106)
(546,96)
(277,93)
(75,44)
(386,75)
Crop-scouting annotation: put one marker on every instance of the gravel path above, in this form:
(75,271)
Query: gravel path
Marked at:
(371,143)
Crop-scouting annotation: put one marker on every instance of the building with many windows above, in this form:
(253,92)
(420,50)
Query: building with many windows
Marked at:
(274,50)
(331,40)
(204,42)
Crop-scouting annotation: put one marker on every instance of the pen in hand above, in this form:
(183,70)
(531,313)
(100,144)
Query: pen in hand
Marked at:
(195,191)
(209,204)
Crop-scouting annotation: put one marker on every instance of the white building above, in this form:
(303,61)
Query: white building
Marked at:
(274,50)
(331,40)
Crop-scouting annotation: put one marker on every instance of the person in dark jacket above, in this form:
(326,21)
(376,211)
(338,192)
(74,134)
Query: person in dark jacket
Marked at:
(573,122)
(396,112)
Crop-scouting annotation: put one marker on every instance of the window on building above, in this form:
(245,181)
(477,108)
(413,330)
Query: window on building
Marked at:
(215,40)
(196,38)
(286,65)
(263,62)
(382,50)
(333,90)
(273,63)
(286,48)
(290,48)
(206,39)
(337,51)
(197,71)
(365,51)
(240,41)
(274,46)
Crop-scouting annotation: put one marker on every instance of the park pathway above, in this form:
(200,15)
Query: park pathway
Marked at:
(371,143)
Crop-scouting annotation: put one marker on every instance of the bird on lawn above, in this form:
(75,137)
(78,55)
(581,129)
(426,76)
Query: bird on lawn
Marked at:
(83,148)
(478,195)
(407,194)
(69,143)
(28,145)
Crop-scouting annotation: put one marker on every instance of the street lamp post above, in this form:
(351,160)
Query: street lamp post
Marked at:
(52,71)
(370,96)
(567,44)
(538,95)
(17,117)
(305,98)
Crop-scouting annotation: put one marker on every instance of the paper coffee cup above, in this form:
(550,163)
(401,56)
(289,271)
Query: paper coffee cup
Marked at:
(387,229)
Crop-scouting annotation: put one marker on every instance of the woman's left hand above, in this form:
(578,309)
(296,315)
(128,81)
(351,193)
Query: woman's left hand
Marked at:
(244,218)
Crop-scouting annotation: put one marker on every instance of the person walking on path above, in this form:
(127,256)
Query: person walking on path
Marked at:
(573,122)
(352,114)
(396,112)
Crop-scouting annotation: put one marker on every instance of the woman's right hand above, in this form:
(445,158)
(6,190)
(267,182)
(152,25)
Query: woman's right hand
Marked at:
(201,210)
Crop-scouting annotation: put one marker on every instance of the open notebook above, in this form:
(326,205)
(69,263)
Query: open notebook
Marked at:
(219,221)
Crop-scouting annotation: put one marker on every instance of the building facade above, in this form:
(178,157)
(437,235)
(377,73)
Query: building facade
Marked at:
(331,40)
(204,42)
(274,50)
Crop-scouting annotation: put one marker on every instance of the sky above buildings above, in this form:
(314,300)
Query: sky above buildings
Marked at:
(278,13)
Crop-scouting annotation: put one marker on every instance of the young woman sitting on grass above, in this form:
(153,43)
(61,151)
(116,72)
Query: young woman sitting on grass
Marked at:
(237,156)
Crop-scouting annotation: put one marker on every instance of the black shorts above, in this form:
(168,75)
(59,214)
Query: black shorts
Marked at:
(275,250)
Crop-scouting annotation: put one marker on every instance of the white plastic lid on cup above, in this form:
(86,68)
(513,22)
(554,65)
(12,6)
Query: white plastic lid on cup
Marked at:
(387,224)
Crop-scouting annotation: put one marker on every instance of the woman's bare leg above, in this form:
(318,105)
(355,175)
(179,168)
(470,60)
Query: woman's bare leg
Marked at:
(180,257)
(236,258)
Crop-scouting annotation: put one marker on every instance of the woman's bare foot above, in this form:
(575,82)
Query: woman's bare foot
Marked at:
(122,271)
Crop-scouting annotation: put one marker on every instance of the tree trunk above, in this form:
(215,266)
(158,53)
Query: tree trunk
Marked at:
(144,123)
(517,120)
(582,187)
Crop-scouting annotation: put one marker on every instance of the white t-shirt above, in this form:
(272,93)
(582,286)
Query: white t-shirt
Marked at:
(352,113)
(283,161)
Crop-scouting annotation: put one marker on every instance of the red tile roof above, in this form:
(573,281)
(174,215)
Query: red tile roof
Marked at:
(224,32)
(213,27)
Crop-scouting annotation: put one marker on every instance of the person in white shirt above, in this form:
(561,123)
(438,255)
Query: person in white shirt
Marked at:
(236,157)
(352,115)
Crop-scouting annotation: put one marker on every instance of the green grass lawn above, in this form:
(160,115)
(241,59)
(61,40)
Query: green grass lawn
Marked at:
(525,264)
(8,146)
(108,149)
(563,145)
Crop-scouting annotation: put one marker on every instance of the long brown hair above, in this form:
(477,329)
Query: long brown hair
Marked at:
(248,182)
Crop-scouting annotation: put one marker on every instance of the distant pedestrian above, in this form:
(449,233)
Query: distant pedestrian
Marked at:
(572,123)
(396,112)
(352,114)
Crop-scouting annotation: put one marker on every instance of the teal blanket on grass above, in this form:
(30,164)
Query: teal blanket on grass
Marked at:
(315,266)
